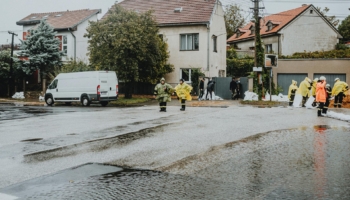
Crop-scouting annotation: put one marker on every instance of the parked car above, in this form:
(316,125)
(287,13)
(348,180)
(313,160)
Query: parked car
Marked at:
(84,87)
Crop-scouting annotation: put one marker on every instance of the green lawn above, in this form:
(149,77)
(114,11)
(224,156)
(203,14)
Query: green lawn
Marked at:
(126,102)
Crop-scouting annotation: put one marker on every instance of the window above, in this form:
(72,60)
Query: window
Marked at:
(65,44)
(186,74)
(311,11)
(269,26)
(53,84)
(215,43)
(189,42)
(268,48)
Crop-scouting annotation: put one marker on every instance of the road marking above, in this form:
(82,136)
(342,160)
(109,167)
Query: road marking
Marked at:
(7,197)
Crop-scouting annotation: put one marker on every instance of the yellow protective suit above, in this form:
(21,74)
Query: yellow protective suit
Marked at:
(339,86)
(293,86)
(304,87)
(183,91)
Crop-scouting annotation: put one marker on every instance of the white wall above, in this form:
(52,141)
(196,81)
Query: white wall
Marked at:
(184,59)
(198,58)
(217,60)
(309,32)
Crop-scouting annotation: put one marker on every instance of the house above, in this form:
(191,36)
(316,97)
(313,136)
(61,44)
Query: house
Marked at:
(70,27)
(195,32)
(297,30)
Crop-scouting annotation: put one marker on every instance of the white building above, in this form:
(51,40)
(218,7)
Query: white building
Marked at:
(297,30)
(70,27)
(195,32)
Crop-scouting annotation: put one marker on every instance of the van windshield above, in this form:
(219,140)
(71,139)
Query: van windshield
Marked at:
(53,85)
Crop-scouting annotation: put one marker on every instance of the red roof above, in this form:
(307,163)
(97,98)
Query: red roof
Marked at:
(60,20)
(279,20)
(193,11)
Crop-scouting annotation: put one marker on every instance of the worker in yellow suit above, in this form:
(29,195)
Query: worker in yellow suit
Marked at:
(313,90)
(304,90)
(183,91)
(339,89)
(291,92)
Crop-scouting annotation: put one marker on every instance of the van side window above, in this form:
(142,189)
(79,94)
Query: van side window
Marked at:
(53,84)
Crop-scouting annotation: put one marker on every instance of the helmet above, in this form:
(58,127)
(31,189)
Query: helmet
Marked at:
(322,78)
(336,79)
(316,79)
(327,86)
(162,79)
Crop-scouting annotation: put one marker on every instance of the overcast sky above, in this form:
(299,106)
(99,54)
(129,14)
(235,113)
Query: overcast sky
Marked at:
(14,10)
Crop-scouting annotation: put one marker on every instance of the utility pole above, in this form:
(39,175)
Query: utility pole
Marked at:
(11,64)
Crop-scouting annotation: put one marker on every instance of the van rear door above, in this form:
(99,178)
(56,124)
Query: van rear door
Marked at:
(104,88)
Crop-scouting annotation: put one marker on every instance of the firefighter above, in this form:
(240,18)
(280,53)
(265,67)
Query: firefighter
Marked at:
(321,95)
(339,89)
(304,90)
(313,90)
(162,93)
(291,92)
(328,97)
(183,91)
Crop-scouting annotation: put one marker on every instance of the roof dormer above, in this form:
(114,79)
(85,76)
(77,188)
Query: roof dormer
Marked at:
(240,32)
(271,24)
(252,29)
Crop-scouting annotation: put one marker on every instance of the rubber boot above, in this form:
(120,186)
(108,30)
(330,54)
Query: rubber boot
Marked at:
(319,113)
(164,104)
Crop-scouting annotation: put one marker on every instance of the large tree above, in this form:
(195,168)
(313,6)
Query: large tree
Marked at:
(42,50)
(332,19)
(129,43)
(233,19)
(344,28)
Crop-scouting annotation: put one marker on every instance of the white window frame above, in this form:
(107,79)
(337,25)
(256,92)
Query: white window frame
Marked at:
(65,44)
(193,48)
(189,74)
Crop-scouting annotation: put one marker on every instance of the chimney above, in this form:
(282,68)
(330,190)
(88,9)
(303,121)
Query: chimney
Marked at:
(304,5)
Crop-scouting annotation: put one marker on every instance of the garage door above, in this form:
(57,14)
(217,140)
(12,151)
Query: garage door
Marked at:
(330,77)
(284,81)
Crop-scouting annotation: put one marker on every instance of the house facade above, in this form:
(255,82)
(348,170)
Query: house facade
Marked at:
(70,27)
(297,30)
(195,32)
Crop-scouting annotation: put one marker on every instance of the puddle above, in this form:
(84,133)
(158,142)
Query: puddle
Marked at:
(32,140)
(302,163)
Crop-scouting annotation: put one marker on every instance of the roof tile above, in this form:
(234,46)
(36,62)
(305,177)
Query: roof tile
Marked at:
(60,20)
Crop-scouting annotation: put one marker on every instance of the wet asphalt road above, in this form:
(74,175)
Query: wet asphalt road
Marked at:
(239,152)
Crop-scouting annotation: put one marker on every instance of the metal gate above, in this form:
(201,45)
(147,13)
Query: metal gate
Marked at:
(222,87)
(330,78)
(284,81)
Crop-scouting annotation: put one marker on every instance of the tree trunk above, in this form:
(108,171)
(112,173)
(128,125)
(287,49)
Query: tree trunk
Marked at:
(129,88)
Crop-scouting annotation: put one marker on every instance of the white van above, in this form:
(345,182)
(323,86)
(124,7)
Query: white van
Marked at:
(84,87)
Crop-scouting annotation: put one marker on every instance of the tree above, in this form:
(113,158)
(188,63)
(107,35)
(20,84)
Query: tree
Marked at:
(42,49)
(128,43)
(344,28)
(332,19)
(71,66)
(233,19)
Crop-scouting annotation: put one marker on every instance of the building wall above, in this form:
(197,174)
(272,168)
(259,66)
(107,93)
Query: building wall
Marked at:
(308,32)
(217,59)
(312,66)
(245,45)
(184,59)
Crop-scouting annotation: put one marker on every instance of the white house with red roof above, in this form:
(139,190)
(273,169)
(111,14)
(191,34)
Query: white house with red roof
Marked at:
(195,32)
(297,30)
(70,27)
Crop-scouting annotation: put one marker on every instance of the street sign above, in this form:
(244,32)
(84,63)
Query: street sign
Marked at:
(257,69)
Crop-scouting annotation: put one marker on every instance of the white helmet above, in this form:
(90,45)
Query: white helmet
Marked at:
(328,86)
(322,78)
(336,79)
(316,79)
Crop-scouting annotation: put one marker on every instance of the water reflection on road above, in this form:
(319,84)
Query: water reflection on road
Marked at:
(304,163)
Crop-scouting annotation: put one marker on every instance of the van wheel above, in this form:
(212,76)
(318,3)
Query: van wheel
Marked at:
(85,101)
(49,101)
(68,103)
(104,103)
